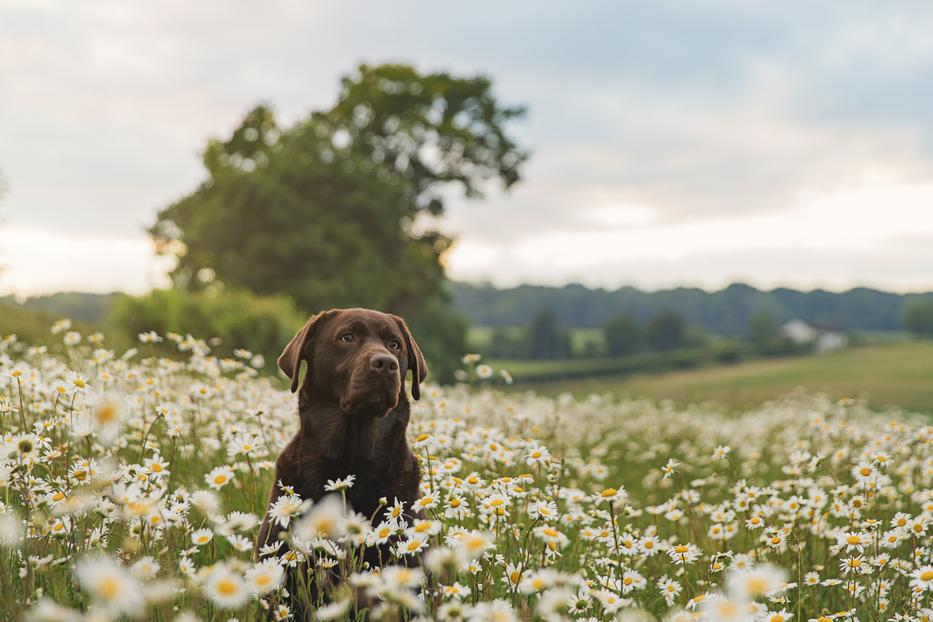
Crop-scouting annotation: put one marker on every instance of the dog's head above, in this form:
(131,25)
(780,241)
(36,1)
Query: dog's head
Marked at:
(358,357)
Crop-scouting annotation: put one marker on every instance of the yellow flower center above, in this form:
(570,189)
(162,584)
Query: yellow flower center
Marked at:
(106,412)
(108,588)
(226,587)
(756,586)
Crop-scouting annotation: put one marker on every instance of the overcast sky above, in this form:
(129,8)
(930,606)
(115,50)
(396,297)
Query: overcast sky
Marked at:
(673,143)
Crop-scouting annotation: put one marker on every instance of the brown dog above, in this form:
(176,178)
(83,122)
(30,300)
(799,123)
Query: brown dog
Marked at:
(353,410)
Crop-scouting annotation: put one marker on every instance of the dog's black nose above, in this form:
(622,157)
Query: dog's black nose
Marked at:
(383,364)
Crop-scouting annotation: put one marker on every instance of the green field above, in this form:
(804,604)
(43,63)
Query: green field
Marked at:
(898,374)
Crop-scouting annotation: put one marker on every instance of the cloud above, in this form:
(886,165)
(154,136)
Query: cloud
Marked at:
(863,236)
(35,261)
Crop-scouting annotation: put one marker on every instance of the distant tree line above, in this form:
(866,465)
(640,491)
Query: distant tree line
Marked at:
(544,337)
(726,312)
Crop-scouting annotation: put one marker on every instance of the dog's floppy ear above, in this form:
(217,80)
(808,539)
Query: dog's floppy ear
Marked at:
(296,350)
(416,363)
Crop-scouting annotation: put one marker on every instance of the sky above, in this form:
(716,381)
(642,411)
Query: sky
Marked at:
(673,143)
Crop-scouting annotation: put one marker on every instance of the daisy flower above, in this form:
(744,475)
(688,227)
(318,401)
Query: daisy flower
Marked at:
(219,477)
(225,588)
(264,576)
(340,484)
(110,585)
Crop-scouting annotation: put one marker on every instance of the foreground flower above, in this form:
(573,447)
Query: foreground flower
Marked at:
(265,576)
(110,586)
(326,519)
(219,477)
(226,588)
(340,484)
(107,415)
(923,579)
(754,582)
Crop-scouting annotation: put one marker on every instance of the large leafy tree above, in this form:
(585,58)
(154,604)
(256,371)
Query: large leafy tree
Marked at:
(340,209)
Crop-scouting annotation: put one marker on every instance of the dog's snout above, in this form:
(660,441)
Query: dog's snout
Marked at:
(383,364)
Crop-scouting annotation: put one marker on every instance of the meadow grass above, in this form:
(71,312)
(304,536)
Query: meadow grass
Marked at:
(133,486)
(891,374)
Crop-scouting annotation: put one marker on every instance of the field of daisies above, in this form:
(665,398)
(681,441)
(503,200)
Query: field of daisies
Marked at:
(132,485)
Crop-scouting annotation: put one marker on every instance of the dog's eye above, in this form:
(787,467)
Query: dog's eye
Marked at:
(347,338)
(394,344)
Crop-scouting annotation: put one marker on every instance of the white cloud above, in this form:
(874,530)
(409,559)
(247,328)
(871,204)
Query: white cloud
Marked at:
(37,261)
(837,240)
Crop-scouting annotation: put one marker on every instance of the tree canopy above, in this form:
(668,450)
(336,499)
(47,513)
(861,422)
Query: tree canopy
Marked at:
(336,210)
(919,318)
(545,338)
(623,335)
(340,209)
(666,331)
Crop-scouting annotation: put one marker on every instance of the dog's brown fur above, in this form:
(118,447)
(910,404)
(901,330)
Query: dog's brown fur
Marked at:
(353,411)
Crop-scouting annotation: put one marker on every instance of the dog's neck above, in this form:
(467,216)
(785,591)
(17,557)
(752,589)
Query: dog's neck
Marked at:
(327,431)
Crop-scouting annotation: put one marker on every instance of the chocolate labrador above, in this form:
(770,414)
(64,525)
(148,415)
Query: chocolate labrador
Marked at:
(353,411)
